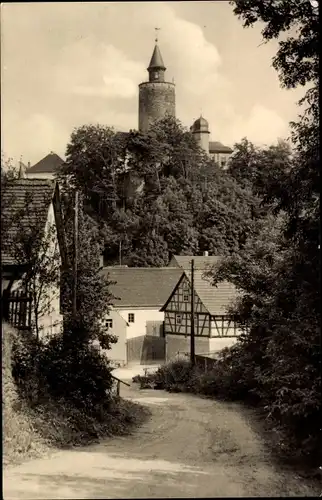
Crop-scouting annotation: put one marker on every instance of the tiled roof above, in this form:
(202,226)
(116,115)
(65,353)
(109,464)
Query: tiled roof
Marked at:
(13,204)
(49,164)
(142,286)
(201,261)
(217,147)
(214,298)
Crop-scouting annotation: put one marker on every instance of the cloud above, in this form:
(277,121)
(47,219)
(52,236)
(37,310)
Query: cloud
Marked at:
(34,137)
(195,60)
(261,126)
(94,69)
(82,63)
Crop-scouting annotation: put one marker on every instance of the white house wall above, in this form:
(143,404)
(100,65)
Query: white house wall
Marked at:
(141,317)
(117,353)
(51,323)
(217,344)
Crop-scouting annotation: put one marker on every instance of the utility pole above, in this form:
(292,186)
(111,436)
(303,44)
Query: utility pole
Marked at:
(75,255)
(192,333)
(120,252)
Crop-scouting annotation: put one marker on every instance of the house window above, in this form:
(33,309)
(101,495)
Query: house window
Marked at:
(109,324)
(131,318)
(223,162)
(178,319)
(186,298)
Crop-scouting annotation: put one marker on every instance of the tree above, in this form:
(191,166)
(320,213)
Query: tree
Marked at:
(260,169)
(169,196)
(93,296)
(297,58)
(277,270)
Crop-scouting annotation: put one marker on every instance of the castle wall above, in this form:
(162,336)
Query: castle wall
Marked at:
(156,100)
(202,139)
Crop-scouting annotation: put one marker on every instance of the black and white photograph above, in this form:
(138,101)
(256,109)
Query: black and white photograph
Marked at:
(160,249)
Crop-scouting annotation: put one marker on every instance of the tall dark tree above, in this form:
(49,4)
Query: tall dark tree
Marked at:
(277,269)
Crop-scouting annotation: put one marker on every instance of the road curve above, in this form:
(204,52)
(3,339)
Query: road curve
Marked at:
(190,447)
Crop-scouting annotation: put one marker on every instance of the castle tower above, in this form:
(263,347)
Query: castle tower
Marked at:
(156,97)
(200,130)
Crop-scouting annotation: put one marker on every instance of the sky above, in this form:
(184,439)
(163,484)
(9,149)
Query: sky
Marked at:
(69,64)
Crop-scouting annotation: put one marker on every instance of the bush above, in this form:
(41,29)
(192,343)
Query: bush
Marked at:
(60,396)
(80,375)
(176,376)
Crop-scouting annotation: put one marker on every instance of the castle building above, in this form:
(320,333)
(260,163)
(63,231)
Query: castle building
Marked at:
(156,100)
(156,97)
(216,150)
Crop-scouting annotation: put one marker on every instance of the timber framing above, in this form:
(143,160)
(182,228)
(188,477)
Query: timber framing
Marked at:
(208,322)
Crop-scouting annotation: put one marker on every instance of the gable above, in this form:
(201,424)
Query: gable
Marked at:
(208,298)
(180,298)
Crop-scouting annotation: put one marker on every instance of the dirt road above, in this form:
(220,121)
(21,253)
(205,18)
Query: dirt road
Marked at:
(191,447)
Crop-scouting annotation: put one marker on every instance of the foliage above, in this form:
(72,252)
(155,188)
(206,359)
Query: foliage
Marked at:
(52,417)
(277,359)
(93,297)
(260,169)
(176,376)
(165,195)
(297,58)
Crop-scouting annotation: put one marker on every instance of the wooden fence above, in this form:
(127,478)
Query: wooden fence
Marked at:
(204,363)
(17,307)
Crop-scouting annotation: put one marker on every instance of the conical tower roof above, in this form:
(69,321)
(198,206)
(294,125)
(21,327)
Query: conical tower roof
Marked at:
(156,59)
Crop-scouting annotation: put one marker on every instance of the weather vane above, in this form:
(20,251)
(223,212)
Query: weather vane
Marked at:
(156,34)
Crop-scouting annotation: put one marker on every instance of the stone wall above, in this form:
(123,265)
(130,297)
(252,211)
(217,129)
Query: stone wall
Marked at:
(156,100)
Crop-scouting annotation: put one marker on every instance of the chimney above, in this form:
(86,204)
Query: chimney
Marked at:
(206,254)
(28,164)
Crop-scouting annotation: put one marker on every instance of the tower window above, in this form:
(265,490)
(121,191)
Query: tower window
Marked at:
(156,75)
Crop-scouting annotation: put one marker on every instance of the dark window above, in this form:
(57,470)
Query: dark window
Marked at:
(109,323)
(178,319)
(186,298)
(131,318)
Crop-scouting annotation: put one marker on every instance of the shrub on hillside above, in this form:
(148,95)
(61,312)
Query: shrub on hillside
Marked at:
(76,372)
(60,395)
(79,374)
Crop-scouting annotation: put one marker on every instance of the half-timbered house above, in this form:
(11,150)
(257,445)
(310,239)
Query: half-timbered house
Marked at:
(31,207)
(214,327)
